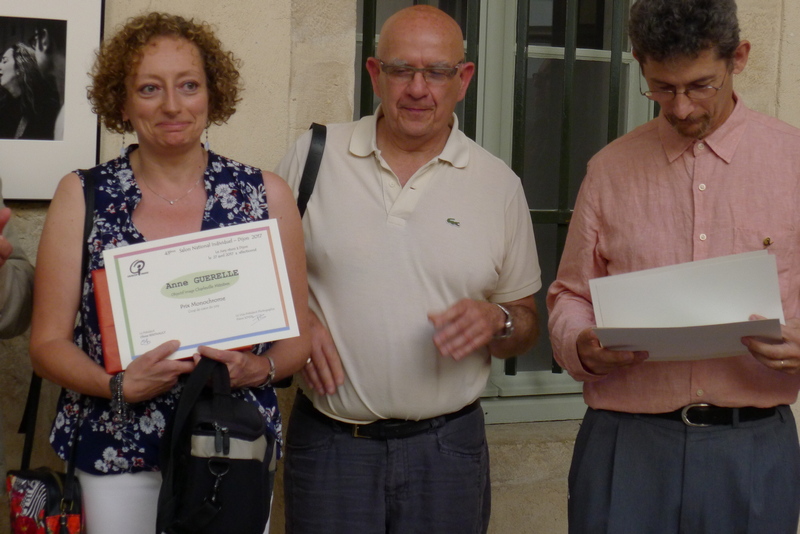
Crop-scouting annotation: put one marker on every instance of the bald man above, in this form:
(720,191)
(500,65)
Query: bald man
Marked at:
(421,266)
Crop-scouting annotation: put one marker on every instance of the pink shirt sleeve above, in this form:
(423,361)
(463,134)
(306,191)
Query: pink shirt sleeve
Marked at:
(568,299)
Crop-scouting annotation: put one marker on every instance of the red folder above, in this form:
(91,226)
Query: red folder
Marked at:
(108,336)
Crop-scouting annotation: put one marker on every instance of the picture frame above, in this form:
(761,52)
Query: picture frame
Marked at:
(37,150)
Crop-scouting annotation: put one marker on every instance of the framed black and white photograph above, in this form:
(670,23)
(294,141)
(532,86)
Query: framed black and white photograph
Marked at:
(47,128)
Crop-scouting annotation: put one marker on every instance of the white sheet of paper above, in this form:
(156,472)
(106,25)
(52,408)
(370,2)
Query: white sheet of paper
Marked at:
(689,342)
(692,310)
(226,288)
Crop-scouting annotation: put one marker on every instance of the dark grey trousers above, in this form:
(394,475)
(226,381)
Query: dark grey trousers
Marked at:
(431,483)
(635,474)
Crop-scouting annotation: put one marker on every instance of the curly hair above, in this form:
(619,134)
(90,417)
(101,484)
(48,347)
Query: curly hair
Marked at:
(120,55)
(668,29)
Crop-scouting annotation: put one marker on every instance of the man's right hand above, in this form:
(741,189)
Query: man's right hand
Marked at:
(324,371)
(600,361)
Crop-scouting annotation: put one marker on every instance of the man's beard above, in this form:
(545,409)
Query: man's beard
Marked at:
(695,128)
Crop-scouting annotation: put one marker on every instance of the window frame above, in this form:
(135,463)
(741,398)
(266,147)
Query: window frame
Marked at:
(511,395)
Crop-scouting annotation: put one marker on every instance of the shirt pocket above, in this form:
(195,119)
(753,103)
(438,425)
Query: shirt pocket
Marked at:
(780,242)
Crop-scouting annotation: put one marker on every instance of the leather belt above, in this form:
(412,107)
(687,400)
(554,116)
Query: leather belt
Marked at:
(385,428)
(707,415)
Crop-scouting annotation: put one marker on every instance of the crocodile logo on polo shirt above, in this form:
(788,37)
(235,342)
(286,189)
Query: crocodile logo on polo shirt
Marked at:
(453,222)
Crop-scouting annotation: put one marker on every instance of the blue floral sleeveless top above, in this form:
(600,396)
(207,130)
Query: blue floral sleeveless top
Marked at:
(235,195)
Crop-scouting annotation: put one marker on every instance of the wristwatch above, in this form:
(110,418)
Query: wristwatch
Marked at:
(508,327)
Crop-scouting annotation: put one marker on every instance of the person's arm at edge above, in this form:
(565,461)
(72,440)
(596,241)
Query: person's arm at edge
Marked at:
(16,287)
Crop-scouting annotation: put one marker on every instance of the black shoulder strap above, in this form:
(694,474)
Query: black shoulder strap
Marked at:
(311,168)
(28,424)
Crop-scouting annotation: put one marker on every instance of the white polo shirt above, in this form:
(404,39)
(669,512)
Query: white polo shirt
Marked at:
(381,257)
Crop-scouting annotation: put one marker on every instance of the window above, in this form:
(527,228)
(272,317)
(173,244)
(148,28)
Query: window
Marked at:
(555,82)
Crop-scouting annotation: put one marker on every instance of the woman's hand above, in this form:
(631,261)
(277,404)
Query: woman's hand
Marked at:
(152,374)
(245,368)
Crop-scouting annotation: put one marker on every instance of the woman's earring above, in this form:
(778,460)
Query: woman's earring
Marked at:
(122,148)
(205,145)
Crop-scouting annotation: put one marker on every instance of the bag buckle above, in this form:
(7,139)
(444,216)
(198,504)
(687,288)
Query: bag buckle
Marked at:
(685,414)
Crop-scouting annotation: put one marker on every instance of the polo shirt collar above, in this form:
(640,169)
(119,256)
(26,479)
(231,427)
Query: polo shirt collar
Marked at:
(723,141)
(364,141)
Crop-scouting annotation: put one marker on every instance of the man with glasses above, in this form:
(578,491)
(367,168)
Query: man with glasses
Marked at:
(685,446)
(422,265)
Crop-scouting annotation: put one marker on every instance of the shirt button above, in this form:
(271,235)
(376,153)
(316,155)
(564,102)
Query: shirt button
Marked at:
(700,146)
(700,392)
(701,187)
(703,237)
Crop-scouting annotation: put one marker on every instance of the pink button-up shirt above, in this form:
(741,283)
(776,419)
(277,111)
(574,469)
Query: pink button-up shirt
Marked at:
(653,198)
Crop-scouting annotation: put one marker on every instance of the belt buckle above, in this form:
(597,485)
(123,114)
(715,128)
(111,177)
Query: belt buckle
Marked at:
(685,414)
(357,434)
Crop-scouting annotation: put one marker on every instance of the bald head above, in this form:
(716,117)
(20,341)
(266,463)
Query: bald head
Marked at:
(424,51)
(421,23)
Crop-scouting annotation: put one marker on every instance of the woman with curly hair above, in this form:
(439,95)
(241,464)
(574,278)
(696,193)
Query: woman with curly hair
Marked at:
(166,79)
(29,103)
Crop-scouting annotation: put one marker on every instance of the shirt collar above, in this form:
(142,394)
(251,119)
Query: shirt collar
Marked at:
(364,141)
(723,141)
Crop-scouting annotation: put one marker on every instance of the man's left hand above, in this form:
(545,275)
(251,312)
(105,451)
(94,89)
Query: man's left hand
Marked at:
(465,327)
(784,357)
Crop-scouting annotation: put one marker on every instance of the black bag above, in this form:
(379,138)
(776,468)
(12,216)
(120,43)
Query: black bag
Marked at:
(217,461)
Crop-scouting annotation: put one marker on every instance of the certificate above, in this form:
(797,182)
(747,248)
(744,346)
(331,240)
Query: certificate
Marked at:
(690,311)
(225,288)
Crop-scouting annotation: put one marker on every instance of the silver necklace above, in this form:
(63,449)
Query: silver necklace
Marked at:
(172,202)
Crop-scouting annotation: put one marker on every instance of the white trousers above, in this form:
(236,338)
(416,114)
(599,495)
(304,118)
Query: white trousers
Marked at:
(122,504)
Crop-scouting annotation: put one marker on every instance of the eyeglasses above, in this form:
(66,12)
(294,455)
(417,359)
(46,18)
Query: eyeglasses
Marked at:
(695,93)
(432,75)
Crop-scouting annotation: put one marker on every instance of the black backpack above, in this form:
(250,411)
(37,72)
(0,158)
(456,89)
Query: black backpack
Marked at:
(217,460)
